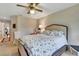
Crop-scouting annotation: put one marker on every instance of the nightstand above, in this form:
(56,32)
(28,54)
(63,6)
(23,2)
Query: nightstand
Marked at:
(74,49)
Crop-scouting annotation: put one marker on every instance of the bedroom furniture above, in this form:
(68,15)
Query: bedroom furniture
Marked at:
(63,28)
(59,27)
(21,50)
(8,49)
(58,45)
(74,49)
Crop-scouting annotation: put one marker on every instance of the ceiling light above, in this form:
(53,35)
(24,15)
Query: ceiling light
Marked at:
(32,11)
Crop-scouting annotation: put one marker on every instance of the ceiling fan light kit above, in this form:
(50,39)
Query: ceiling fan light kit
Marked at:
(32,11)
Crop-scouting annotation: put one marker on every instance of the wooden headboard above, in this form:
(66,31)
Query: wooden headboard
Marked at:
(60,27)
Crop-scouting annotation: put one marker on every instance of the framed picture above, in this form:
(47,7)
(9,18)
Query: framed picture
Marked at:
(14,26)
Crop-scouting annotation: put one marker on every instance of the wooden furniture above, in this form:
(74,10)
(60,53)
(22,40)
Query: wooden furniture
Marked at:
(8,49)
(21,49)
(74,50)
(59,27)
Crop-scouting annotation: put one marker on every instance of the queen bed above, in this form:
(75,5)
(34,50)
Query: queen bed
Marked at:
(52,42)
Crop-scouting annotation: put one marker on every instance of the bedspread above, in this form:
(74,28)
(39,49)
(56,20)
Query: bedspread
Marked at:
(43,45)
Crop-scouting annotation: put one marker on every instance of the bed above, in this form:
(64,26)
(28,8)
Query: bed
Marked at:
(47,45)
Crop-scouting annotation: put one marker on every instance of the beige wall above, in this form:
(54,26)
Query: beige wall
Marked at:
(69,17)
(23,24)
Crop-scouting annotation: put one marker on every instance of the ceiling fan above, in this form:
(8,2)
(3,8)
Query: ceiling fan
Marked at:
(32,7)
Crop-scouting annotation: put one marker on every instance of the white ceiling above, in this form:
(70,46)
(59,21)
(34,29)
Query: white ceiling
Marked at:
(9,9)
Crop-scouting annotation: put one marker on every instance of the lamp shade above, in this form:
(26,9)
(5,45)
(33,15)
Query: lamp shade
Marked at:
(41,28)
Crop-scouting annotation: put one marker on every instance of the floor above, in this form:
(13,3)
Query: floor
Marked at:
(14,51)
(8,49)
(67,53)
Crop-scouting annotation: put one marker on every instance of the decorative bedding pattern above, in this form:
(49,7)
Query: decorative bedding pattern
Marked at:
(43,45)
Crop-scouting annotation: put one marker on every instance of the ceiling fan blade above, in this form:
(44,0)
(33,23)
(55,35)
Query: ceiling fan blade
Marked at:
(31,3)
(36,4)
(39,10)
(22,6)
(28,12)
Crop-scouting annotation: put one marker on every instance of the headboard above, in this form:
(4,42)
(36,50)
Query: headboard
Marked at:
(60,27)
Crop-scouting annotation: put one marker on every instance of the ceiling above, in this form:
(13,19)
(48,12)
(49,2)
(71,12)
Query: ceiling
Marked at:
(9,9)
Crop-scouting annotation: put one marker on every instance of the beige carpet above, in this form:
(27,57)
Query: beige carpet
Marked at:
(67,53)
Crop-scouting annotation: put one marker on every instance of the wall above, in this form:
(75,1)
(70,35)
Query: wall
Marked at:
(23,24)
(26,24)
(69,17)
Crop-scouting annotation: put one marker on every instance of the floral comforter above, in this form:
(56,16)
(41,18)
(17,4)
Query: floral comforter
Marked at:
(43,45)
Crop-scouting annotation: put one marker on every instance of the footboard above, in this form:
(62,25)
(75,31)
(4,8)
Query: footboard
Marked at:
(22,51)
